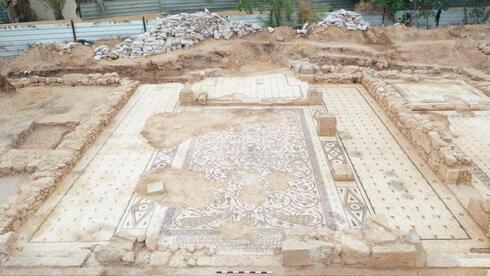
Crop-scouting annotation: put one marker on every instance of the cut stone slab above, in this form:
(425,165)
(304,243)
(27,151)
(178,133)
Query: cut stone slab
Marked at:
(354,251)
(186,96)
(155,188)
(327,124)
(395,255)
(303,253)
(342,172)
(314,97)
(295,253)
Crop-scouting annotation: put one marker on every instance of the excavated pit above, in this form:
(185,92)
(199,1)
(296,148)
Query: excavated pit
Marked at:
(227,182)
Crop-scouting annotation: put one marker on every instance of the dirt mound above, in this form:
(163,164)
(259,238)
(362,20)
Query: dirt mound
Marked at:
(49,57)
(455,46)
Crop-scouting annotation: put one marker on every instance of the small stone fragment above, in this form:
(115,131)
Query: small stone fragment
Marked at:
(155,188)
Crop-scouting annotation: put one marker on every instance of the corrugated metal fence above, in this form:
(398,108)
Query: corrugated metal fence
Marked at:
(16,38)
(120,8)
(135,7)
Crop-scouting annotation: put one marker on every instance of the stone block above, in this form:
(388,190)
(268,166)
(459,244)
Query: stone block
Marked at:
(327,124)
(477,212)
(155,188)
(186,96)
(152,242)
(456,175)
(342,172)
(314,97)
(295,253)
(303,253)
(159,258)
(395,255)
(354,251)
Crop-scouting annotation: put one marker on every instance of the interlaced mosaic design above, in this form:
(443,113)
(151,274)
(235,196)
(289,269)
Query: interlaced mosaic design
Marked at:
(283,146)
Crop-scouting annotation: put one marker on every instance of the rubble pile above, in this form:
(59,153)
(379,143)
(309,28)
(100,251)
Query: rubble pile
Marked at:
(177,31)
(344,19)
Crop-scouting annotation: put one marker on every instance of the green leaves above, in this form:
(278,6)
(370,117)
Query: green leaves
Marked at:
(56,6)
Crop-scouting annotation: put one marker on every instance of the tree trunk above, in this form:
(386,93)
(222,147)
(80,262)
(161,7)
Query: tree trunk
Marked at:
(465,20)
(58,15)
(383,18)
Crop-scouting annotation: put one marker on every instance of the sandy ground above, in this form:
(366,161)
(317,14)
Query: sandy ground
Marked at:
(165,130)
(46,105)
(455,46)
(183,188)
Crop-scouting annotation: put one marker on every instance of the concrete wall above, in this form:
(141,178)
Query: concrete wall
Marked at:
(43,13)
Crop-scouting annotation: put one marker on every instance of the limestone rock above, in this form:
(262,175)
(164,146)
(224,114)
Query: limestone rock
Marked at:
(159,258)
(342,172)
(354,251)
(176,31)
(344,19)
(179,259)
(395,255)
(118,251)
(304,253)
(186,96)
(327,124)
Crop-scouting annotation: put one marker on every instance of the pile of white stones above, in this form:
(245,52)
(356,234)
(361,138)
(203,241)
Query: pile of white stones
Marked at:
(175,32)
(345,19)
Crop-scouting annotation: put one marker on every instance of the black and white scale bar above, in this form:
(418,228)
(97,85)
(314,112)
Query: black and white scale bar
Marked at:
(242,272)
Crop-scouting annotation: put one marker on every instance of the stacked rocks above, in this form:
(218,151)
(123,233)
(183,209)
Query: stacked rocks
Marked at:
(345,19)
(178,31)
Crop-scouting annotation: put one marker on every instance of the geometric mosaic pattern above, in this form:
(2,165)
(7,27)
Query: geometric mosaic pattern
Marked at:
(268,86)
(389,178)
(350,194)
(282,146)
(353,204)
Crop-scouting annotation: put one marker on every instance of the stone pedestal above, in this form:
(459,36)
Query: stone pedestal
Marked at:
(314,97)
(186,96)
(327,124)
(341,172)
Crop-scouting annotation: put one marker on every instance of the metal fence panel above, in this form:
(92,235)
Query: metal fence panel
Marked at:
(120,8)
(16,38)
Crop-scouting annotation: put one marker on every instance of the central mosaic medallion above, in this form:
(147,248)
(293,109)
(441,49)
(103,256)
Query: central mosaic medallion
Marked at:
(272,180)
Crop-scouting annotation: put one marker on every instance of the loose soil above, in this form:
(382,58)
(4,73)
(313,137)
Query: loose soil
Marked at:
(46,105)
(183,188)
(166,130)
(455,46)
(44,137)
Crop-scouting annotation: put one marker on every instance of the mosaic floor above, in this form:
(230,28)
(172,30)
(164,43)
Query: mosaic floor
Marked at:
(436,93)
(97,199)
(267,87)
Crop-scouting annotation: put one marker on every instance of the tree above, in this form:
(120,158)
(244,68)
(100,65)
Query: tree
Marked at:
(390,7)
(7,6)
(425,8)
(56,6)
(280,11)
